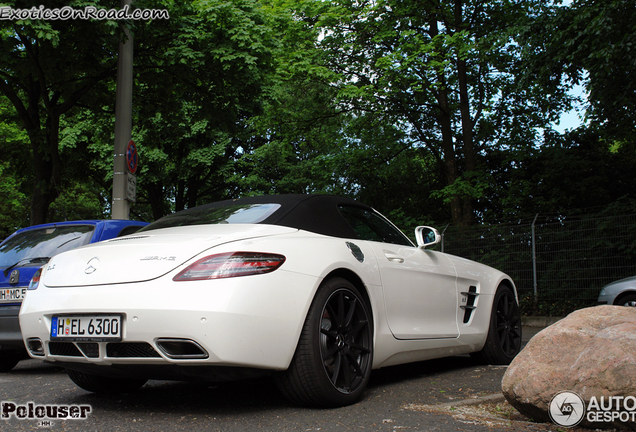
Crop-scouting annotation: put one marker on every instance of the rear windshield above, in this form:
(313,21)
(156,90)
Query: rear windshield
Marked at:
(40,244)
(238,214)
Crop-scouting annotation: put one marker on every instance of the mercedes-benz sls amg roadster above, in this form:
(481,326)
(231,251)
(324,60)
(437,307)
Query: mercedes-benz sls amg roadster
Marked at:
(314,290)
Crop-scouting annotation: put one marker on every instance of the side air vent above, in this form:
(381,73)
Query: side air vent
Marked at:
(181,349)
(471,296)
(131,350)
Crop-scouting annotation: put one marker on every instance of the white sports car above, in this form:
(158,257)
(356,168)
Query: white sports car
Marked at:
(316,290)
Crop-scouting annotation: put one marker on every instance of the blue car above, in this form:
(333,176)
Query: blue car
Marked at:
(28,249)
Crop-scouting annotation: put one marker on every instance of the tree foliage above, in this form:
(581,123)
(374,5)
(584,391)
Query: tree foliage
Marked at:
(431,111)
(199,80)
(440,73)
(592,43)
(13,166)
(48,67)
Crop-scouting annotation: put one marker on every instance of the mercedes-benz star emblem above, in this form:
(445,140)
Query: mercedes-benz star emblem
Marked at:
(92,266)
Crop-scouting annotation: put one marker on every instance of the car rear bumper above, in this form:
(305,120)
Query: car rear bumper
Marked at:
(10,336)
(250,321)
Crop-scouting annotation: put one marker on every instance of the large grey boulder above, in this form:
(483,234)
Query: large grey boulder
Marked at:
(591,352)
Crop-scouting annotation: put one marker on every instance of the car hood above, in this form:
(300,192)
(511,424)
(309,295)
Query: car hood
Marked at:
(628,282)
(146,255)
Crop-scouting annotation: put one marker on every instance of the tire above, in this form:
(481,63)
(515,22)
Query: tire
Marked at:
(503,342)
(102,384)
(628,300)
(334,356)
(8,362)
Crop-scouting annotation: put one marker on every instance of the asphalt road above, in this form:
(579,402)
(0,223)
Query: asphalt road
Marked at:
(424,396)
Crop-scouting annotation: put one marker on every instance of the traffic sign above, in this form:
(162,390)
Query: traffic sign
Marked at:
(131,188)
(131,157)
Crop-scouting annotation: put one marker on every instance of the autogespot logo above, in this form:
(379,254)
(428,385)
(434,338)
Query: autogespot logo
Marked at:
(567,409)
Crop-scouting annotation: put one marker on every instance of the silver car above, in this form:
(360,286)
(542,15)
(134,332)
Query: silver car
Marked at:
(619,293)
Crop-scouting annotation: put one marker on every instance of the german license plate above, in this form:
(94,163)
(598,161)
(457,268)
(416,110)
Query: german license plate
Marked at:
(12,295)
(95,328)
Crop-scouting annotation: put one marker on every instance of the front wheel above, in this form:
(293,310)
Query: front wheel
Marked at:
(503,342)
(102,384)
(334,357)
(628,300)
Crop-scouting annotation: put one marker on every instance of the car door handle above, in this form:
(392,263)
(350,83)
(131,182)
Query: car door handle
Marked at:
(393,257)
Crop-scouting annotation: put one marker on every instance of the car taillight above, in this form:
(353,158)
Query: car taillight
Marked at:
(35,280)
(231,264)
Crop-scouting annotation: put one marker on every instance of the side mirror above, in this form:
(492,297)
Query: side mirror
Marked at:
(427,236)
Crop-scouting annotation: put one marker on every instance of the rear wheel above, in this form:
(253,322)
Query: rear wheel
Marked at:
(102,384)
(333,360)
(504,334)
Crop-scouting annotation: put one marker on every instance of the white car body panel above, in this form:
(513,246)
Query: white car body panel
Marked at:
(315,290)
(411,277)
(230,316)
(147,256)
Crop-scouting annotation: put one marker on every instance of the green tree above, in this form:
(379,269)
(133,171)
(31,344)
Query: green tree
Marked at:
(47,68)
(199,81)
(593,43)
(15,162)
(292,137)
(443,73)
(570,172)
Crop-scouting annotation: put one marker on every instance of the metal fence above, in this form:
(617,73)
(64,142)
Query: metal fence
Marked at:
(554,257)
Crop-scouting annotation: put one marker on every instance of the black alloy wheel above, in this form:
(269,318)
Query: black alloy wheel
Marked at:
(508,324)
(334,357)
(345,343)
(503,341)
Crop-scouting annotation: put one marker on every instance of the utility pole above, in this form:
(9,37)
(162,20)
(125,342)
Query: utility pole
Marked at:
(123,123)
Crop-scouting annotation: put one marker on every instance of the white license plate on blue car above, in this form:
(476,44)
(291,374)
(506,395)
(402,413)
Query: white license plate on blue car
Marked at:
(96,328)
(12,295)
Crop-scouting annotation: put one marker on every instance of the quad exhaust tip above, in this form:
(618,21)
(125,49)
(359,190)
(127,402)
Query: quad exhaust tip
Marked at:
(35,346)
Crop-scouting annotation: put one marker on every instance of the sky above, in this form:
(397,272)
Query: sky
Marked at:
(569,120)
(572,119)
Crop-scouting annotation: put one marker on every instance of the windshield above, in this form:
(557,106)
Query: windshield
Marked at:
(43,242)
(237,214)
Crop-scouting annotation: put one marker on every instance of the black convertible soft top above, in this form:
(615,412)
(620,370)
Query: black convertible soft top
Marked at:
(309,212)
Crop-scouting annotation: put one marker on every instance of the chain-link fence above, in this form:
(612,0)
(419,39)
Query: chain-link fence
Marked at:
(554,258)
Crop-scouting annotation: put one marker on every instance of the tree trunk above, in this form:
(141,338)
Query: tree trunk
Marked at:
(444,119)
(47,168)
(470,159)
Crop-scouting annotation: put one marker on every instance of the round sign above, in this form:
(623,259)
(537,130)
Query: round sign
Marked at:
(567,409)
(131,157)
